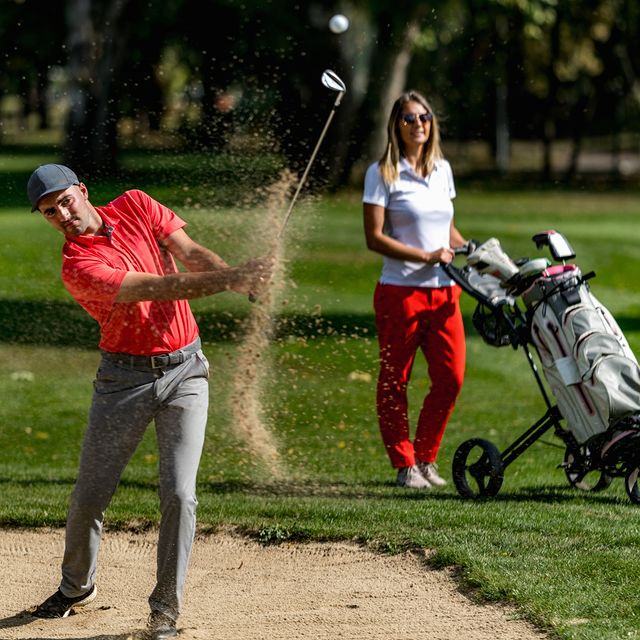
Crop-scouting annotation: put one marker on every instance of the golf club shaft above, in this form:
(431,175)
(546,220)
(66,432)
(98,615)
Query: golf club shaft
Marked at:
(308,167)
(253,297)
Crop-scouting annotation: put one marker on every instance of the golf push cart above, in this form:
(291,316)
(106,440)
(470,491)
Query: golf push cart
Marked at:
(593,401)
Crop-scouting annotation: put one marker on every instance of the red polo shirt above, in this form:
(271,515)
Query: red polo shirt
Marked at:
(93,268)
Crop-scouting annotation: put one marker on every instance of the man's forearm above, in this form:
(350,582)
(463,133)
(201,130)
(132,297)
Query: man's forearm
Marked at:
(179,286)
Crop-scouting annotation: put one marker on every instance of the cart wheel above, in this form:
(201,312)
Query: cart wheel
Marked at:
(631,484)
(580,476)
(477,474)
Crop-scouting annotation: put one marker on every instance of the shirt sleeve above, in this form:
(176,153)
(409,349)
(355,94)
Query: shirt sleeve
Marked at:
(375,189)
(450,182)
(88,279)
(162,219)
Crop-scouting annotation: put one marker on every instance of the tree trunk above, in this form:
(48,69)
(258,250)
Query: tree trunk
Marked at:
(389,90)
(503,152)
(549,126)
(388,68)
(582,116)
(91,129)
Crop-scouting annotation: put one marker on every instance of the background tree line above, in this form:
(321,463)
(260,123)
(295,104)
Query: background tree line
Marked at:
(497,70)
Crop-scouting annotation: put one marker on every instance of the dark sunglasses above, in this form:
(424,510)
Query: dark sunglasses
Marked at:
(410,118)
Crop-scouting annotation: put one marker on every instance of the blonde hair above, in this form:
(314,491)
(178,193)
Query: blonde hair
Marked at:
(432,151)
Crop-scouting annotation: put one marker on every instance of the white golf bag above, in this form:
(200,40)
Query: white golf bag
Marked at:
(592,373)
(586,359)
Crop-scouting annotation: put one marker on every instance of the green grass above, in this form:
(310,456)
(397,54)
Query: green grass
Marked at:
(569,560)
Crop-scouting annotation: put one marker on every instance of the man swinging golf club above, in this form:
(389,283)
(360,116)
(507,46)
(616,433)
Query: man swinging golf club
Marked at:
(118,264)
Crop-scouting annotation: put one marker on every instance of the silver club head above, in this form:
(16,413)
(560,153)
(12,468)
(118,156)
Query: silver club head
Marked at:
(331,80)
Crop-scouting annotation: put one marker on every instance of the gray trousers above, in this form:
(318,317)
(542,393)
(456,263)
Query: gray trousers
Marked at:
(127,397)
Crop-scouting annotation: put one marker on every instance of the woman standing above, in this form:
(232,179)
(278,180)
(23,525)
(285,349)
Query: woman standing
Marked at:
(408,218)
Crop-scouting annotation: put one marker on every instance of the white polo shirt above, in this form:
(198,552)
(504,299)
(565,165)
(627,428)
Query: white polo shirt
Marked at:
(418,213)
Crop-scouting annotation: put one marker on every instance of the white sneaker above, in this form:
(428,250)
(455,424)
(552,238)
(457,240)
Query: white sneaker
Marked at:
(429,471)
(411,478)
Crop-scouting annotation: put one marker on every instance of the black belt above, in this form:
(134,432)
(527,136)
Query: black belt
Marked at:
(156,361)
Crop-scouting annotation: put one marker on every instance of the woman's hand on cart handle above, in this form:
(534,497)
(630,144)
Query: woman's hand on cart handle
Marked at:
(443,255)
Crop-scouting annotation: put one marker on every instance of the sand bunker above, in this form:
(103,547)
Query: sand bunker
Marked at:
(237,588)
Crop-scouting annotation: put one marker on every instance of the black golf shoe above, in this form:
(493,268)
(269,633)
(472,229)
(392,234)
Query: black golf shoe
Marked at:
(60,606)
(160,627)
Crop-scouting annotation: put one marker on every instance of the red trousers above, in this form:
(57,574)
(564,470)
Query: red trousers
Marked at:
(408,318)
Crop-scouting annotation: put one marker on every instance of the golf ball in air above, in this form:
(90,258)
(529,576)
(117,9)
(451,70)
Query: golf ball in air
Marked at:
(339,23)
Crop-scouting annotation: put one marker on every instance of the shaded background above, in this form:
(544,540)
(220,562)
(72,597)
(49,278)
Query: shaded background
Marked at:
(542,87)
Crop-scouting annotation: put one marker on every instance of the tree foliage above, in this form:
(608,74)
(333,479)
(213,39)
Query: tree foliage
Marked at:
(495,69)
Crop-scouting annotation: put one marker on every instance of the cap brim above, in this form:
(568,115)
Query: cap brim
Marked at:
(60,187)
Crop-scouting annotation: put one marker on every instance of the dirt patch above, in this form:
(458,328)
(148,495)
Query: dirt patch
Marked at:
(237,588)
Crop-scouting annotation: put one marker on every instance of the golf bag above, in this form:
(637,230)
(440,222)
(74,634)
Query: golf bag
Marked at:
(586,359)
(589,367)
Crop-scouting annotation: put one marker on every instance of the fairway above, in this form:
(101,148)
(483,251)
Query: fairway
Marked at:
(566,560)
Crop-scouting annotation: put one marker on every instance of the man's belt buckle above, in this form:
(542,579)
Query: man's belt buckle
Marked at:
(159,361)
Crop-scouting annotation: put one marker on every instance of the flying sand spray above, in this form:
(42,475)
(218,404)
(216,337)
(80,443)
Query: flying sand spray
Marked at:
(246,407)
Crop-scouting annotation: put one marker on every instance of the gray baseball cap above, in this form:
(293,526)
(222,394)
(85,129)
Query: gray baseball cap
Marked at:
(48,178)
